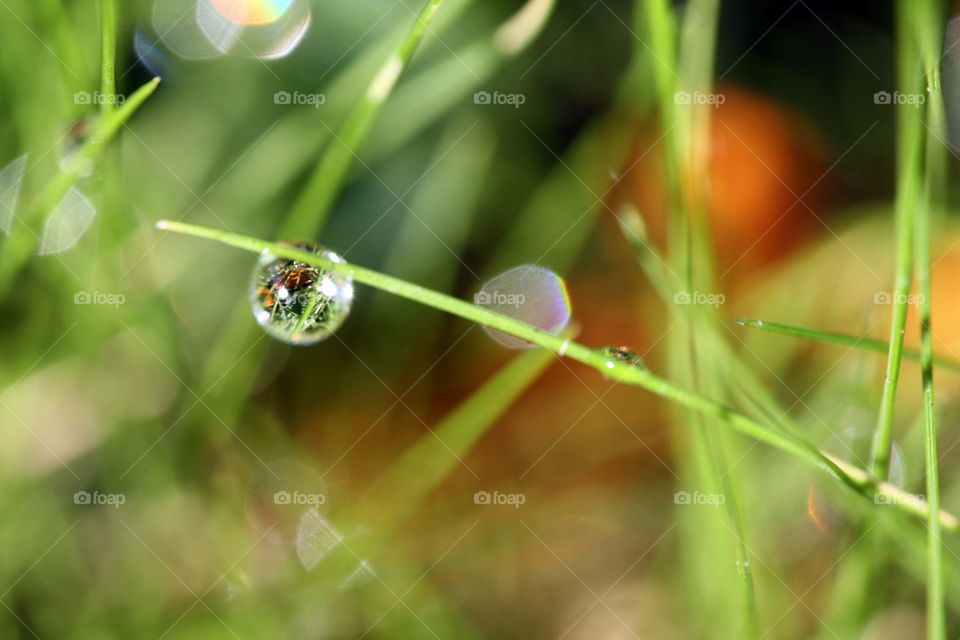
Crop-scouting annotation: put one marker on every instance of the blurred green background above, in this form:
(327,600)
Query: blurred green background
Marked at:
(177,420)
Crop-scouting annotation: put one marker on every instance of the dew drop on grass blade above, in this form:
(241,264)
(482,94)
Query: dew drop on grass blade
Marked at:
(67,223)
(528,293)
(296,302)
(11,178)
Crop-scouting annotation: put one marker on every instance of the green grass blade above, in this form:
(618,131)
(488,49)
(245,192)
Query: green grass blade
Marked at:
(930,39)
(857,478)
(909,162)
(843,340)
(108,61)
(19,248)
(423,466)
(316,200)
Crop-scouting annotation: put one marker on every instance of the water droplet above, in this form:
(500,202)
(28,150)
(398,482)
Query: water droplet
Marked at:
(11,179)
(175,23)
(202,29)
(622,355)
(68,222)
(316,537)
(298,303)
(529,293)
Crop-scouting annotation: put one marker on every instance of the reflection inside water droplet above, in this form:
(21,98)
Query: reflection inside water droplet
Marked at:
(622,355)
(528,293)
(298,303)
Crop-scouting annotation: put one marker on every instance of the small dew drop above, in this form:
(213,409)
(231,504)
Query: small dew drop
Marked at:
(622,355)
(299,303)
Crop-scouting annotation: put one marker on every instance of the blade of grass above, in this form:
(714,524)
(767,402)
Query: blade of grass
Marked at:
(424,465)
(18,252)
(909,161)
(843,340)
(929,35)
(108,60)
(312,207)
(856,478)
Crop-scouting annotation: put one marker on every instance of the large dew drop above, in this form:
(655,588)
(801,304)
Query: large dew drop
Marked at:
(200,29)
(299,303)
(528,293)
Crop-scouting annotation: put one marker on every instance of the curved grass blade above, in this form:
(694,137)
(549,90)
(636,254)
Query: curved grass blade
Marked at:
(22,247)
(424,465)
(314,203)
(843,340)
(597,359)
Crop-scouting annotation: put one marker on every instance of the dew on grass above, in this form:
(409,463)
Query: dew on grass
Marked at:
(11,179)
(266,29)
(528,293)
(622,355)
(298,303)
(280,494)
(67,223)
